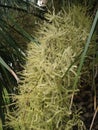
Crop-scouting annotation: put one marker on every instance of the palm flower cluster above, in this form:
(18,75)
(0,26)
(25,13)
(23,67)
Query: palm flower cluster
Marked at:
(45,91)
